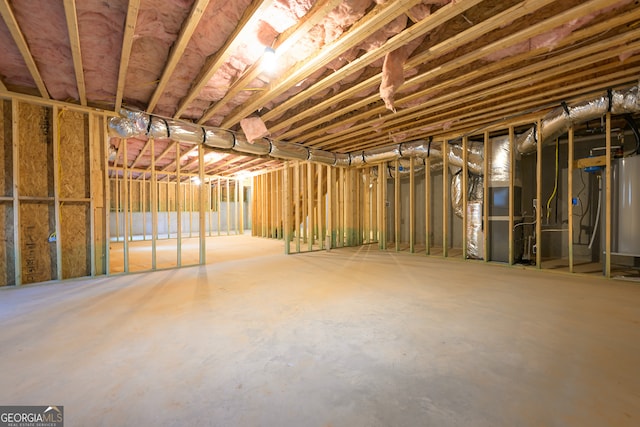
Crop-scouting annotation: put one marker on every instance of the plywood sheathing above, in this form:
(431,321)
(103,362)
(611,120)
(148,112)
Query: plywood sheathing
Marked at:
(7,268)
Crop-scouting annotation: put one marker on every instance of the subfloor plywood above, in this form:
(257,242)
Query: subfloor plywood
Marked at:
(347,337)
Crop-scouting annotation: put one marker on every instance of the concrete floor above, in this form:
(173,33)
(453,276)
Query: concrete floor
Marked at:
(351,337)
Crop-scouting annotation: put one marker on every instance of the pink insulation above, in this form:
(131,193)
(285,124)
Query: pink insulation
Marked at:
(101,52)
(14,69)
(550,39)
(157,27)
(43,24)
(393,72)
(253,128)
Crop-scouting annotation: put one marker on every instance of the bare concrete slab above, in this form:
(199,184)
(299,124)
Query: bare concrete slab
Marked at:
(351,337)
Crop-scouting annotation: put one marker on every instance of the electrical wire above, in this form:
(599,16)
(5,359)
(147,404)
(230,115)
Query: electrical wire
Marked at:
(555,188)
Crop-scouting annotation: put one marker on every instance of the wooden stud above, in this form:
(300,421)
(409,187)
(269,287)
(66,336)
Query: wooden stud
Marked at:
(179,206)
(367,206)
(201,220)
(512,177)
(445,198)
(412,205)
(107,197)
(310,219)
(321,207)
(237,204)
(340,211)
(538,217)
(94,141)
(219,203)
(396,196)
(56,190)
(296,201)
(608,197)
(15,132)
(382,176)
(465,176)
(286,184)
(126,206)
(154,206)
(427,205)
(485,195)
(227,188)
(570,196)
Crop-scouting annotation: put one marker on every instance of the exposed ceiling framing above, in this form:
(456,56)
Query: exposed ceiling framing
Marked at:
(467,66)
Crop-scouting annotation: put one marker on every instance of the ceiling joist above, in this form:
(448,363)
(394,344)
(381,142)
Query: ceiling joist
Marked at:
(74,41)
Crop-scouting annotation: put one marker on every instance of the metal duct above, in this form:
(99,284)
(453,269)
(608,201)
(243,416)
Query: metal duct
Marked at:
(558,121)
(342,160)
(356,158)
(382,154)
(321,156)
(474,191)
(475,233)
(259,147)
(475,156)
(284,150)
(500,160)
(218,138)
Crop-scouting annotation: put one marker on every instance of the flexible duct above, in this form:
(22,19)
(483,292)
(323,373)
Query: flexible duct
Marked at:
(259,147)
(283,150)
(321,156)
(558,121)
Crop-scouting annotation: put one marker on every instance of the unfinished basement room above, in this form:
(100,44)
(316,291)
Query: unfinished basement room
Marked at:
(292,213)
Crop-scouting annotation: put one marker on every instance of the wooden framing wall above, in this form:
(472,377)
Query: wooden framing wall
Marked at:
(51,199)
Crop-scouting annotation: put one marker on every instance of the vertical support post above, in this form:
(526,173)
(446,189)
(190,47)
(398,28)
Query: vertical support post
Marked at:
(427,205)
(178,205)
(15,132)
(383,205)
(286,183)
(56,191)
(219,201)
(330,211)
(190,204)
(485,196)
(608,197)
(570,197)
(201,220)
(154,206)
(321,224)
(512,180)
(126,207)
(296,201)
(210,205)
(412,205)
(142,206)
(340,211)
(227,190)
(349,207)
(94,139)
(310,219)
(168,206)
(396,197)
(538,217)
(107,196)
(367,206)
(465,196)
(236,223)
(445,199)
(241,203)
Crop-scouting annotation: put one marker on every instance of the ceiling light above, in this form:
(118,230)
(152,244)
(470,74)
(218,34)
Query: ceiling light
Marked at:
(268,62)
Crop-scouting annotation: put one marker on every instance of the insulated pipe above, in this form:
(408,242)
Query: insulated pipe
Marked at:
(558,121)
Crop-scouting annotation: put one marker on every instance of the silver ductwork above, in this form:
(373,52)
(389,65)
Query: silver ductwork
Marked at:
(558,121)
(284,150)
(259,147)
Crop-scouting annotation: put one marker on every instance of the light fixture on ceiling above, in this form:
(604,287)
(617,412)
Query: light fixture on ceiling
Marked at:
(268,62)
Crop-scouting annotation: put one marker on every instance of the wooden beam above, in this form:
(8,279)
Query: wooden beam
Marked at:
(179,206)
(511,39)
(139,156)
(465,176)
(283,43)
(485,89)
(125,52)
(74,41)
(296,201)
(445,198)
(253,13)
(201,223)
(56,192)
(427,205)
(396,203)
(286,184)
(512,180)
(570,168)
(608,211)
(13,27)
(487,149)
(412,204)
(177,50)
(15,146)
(538,218)
(154,207)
